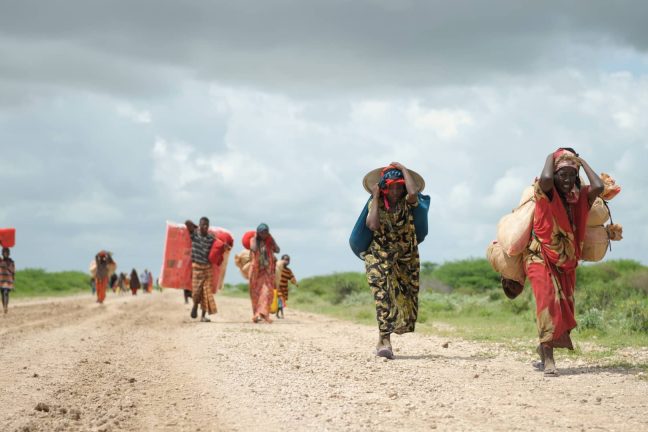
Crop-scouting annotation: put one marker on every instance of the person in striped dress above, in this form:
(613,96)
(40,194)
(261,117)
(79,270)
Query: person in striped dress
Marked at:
(284,275)
(201,269)
(7,277)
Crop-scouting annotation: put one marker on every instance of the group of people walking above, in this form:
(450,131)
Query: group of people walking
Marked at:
(267,277)
(391,256)
(562,207)
(103,269)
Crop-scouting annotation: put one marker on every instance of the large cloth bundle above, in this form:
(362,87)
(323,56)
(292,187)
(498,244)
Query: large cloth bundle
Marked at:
(510,267)
(242,261)
(597,236)
(92,268)
(176,264)
(514,229)
(361,235)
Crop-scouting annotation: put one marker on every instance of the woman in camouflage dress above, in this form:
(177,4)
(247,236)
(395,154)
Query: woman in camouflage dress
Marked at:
(392,260)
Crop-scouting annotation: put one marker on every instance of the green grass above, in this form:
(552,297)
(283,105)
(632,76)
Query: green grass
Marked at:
(464,299)
(37,282)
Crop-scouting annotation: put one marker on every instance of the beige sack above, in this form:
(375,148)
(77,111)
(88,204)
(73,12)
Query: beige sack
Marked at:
(596,243)
(509,267)
(242,261)
(93,268)
(598,214)
(514,229)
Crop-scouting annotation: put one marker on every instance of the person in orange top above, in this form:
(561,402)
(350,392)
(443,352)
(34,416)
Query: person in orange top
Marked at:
(284,275)
(104,263)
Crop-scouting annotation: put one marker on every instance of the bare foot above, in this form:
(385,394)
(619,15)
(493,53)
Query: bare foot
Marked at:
(549,363)
(541,364)
(384,347)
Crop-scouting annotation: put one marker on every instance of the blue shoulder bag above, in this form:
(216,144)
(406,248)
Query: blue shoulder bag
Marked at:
(361,235)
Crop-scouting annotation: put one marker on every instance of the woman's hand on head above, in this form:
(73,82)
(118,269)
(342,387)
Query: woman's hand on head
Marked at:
(399,166)
(375,190)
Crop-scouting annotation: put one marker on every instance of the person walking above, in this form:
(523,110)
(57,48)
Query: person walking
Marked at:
(392,260)
(7,277)
(283,277)
(262,273)
(134,282)
(201,269)
(105,265)
(559,223)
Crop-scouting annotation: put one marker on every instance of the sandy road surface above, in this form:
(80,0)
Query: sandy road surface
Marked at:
(140,363)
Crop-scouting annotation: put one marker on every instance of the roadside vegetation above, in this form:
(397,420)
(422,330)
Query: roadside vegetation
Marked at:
(38,282)
(464,298)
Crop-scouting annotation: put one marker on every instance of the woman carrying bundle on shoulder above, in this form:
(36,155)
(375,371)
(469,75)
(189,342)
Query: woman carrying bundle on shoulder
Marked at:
(262,273)
(392,260)
(559,221)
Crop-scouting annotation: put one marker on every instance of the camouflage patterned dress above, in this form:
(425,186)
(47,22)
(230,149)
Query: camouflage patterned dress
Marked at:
(392,265)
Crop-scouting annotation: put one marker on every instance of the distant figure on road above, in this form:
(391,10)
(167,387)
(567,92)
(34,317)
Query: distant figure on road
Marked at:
(7,277)
(283,276)
(105,266)
(113,282)
(201,269)
(145,281)
(392,260)
(262,273)
(134,282)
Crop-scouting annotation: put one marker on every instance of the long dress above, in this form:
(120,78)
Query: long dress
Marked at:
(262,278)
(392,265)
(551,260)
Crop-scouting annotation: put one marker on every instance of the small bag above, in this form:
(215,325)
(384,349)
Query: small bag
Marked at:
(275,302)
(361,235)
(596,243)
(599,213)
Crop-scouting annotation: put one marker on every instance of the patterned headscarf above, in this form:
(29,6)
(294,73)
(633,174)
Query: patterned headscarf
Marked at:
(388,177)
(564,158)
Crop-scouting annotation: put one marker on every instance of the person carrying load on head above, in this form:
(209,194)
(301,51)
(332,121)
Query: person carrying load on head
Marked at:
(201,269)
(558,232)
(7,277)
(104,267)
(392,260)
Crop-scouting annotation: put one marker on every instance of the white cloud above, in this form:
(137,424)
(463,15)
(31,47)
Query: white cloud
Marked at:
(446,123)
(134,115)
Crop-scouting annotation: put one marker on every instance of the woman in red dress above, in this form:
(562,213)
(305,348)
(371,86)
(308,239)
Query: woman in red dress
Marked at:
(562,207)
(262,273)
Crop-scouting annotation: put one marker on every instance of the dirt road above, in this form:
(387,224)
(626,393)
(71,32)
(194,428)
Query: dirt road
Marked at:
(139,363)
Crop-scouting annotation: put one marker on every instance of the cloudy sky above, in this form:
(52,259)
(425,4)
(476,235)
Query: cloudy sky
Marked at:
(118,116)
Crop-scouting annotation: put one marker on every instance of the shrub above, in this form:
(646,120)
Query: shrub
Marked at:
(636,313)
(592,319)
